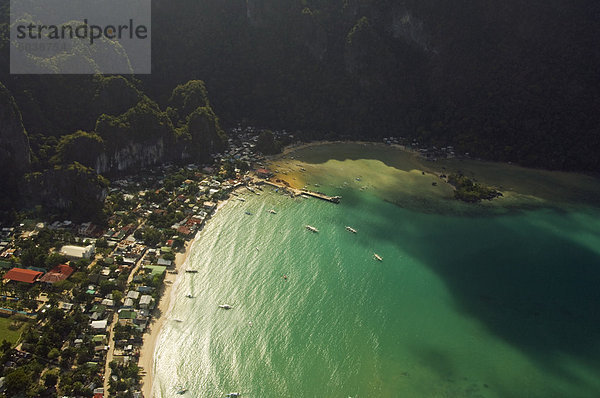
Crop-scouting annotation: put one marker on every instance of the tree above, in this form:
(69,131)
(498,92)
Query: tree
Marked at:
(53,354)
(81,147)
(55,259)
(50,378)
(16,381)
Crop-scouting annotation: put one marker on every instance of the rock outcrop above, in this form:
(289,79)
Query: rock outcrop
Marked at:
(15,154)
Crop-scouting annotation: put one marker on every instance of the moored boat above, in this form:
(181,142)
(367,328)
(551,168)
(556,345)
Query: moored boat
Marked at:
(311,228)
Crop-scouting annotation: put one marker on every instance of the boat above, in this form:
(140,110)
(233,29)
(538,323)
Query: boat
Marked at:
(182,391)
(189,296)
(272,211)
(248,213)
(351,229)
(191,271)
(241,199)
(233,394)
(177,320)
(311,228)
(377,257)
(226,306)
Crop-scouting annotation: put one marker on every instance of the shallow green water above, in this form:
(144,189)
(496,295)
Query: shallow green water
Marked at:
(461,306)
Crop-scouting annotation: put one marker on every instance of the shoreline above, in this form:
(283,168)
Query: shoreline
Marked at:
(150,337)
(521,186)
(146,359)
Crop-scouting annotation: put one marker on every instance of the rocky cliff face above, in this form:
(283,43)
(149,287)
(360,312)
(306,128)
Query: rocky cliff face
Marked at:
(15,153)
(133,155)
(73,190)
(15,157)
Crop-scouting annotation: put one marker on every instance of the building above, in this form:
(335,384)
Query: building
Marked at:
(99,325)
(264,173)
(58,273)
(146,301)
(78,252)
(23,275)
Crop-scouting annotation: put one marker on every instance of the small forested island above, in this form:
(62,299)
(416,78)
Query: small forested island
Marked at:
(469,191)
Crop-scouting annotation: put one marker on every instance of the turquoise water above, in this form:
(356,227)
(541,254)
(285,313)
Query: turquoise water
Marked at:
(461,306)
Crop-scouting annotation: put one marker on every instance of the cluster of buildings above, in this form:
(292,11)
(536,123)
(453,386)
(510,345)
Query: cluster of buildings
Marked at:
(133,269)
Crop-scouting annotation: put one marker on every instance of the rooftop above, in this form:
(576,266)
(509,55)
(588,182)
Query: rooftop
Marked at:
(58,273)
(23,275)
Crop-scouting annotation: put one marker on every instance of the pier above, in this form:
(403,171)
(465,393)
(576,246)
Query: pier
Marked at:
(297,192)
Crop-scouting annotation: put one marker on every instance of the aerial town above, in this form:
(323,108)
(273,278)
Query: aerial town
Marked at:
(76,298)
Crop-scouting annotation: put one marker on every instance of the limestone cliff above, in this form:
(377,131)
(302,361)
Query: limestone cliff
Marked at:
(73,190)
(15,158)
(15,153)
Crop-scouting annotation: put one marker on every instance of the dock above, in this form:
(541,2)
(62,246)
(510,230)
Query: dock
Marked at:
(297,192)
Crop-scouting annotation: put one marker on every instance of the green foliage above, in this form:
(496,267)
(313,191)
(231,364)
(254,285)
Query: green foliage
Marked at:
(53,353)
(73,190)
(50,378)
(186,98)
(81,147)
(16,381)
(468,191)
(141,123)
(152,236)
(55,259)
(169,256)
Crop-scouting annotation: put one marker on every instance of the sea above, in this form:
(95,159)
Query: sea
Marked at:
(469,300)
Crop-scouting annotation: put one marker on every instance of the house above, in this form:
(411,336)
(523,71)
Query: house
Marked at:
(210,206)
(99,325)
(99,339)
(185,231)
(162,261)
(127,316)
(145,301)
(132,294)
(264,173)
(78,252)
(145,289)
(128,303)
(58,273)
(23,275)
(108,302)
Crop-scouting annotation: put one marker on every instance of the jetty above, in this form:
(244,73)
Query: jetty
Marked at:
(298,192)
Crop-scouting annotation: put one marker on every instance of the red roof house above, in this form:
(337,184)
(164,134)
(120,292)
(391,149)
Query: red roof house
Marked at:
(58,273)
(23,275)
(184,231)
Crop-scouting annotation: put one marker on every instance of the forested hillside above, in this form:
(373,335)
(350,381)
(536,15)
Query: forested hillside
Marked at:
(510,80)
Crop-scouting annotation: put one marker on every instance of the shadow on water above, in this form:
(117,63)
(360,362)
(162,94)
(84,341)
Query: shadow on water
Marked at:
(531,286)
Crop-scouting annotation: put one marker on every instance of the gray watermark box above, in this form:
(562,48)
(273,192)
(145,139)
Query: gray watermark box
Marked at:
(80,36)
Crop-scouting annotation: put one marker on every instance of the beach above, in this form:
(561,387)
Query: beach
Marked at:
(146,361)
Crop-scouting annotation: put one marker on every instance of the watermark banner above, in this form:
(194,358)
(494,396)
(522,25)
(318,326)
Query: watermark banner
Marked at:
(80,36)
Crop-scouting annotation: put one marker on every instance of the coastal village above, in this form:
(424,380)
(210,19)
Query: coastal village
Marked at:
(76,298)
